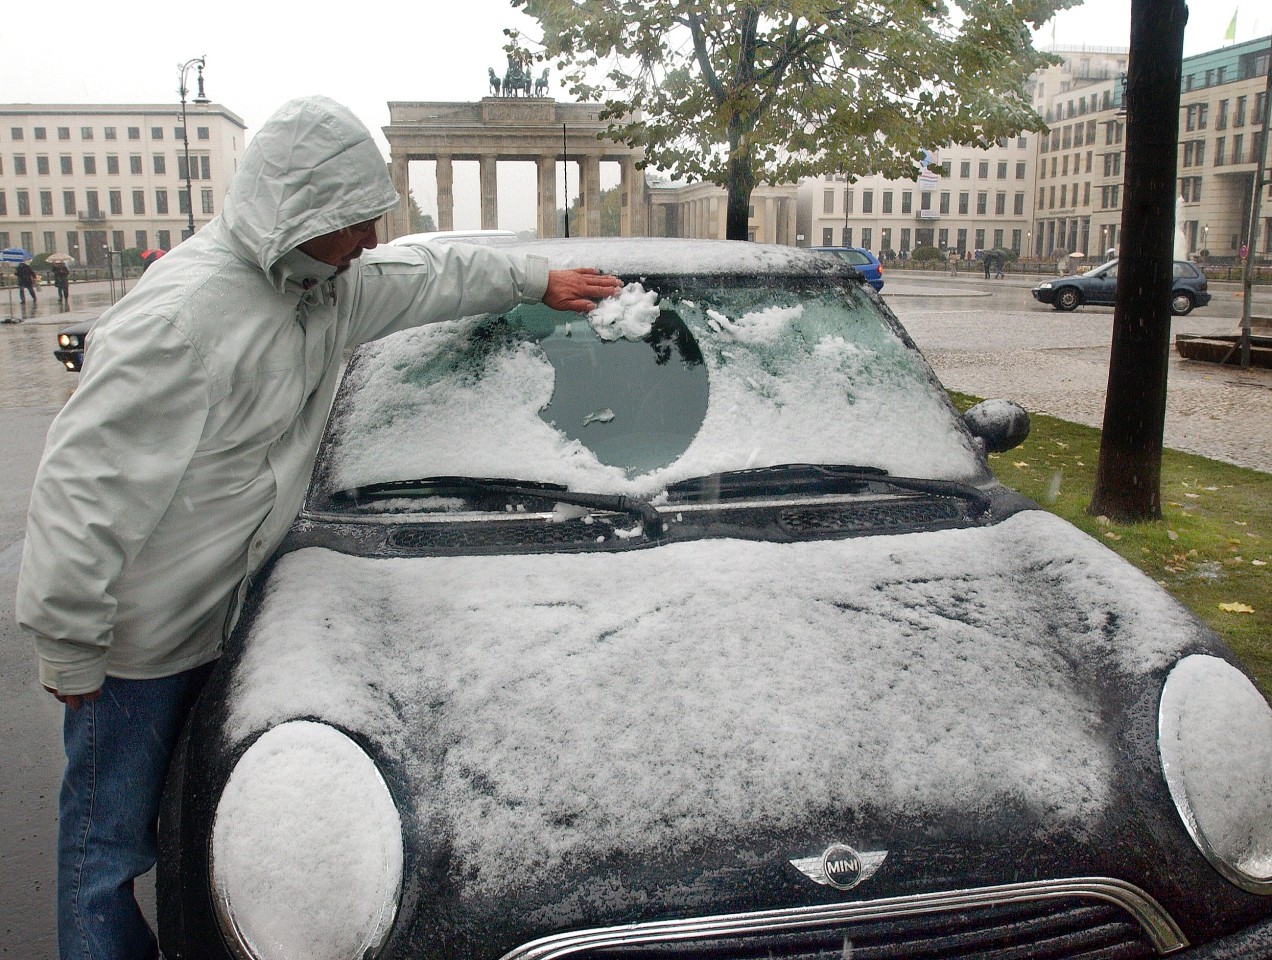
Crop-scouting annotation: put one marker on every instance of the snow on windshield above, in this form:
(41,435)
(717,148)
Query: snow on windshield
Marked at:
(555,706)
(812,376)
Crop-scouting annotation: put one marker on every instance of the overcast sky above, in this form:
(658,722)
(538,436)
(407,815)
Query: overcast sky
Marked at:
(262,53)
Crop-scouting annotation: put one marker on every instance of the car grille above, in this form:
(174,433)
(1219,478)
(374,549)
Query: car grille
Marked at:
(906,514)
(1095,919)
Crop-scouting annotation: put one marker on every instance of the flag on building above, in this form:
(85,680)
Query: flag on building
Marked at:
(1232,27)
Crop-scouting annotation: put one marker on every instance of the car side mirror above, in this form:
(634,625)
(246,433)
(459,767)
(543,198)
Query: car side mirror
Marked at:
(1000,424)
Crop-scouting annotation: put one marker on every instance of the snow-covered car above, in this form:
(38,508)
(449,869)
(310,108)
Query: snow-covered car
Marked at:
(699,627)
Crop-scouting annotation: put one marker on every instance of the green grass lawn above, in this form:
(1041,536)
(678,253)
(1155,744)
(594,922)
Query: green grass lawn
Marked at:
(1212,549)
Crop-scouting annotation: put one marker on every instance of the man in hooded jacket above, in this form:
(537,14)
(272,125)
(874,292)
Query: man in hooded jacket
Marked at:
(182,458)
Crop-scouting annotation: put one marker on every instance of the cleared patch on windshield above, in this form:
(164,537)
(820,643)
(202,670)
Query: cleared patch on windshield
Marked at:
(631,386)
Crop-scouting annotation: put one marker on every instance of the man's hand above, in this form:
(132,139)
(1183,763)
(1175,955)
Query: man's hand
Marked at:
(75,700)
(578,290)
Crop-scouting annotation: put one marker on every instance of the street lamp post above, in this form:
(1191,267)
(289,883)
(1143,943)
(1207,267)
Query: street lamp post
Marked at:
(182,69)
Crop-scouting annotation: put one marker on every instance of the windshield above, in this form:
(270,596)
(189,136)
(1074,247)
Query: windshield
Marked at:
(669,381)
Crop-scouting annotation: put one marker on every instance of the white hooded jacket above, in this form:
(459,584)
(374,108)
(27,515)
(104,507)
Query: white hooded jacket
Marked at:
(182,458)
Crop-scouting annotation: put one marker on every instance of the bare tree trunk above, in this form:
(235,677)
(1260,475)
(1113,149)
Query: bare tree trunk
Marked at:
(1128,479)
(737,225)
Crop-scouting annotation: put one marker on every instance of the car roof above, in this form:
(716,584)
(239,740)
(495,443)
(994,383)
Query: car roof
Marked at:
(681,257)
(433,235)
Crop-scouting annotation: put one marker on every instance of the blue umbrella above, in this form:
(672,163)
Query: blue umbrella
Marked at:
(14,255)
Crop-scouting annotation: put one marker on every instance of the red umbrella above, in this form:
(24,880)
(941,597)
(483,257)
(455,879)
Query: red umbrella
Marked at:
(152,254)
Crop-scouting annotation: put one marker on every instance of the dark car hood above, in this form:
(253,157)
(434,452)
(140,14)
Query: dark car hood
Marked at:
(551,713)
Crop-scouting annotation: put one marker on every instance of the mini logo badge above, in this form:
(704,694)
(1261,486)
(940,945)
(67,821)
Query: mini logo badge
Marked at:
(841,866)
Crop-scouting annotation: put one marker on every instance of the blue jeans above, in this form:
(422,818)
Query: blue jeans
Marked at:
(117,752)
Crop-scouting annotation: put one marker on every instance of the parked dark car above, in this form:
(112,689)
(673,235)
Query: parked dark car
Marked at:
(71,341)
(1098,287)
(862,259)
(700,627)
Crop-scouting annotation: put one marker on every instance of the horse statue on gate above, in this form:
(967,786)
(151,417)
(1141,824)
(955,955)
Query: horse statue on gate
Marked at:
(541,84)
(495,85)
(517,80)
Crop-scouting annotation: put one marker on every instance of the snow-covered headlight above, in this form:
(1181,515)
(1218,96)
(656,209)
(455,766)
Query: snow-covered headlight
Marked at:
(306,848)
(1215,737)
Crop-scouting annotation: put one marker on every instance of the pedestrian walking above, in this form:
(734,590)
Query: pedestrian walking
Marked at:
(987,259)
(952,259)
(182,458)
(62,281)
(26,282)
(1000,260)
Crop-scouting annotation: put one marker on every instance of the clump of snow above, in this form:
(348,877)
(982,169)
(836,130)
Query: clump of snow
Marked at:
(657,699)
(307,845)
(630,313)
(758,326)
(600,416)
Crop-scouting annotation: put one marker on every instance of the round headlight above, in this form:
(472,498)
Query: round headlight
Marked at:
(1215,737)
(306,848)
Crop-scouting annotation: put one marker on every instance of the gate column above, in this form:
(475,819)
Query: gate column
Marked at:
(489,192)
(547,196)
(445,194)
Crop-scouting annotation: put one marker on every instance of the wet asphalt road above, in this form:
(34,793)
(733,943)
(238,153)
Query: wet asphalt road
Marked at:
(987,338)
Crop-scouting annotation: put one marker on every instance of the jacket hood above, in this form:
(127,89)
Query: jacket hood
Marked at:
(311,169)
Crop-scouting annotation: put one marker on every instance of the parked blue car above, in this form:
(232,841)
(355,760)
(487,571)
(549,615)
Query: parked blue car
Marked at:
(862,259)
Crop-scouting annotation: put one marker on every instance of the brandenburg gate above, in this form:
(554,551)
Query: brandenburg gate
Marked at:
(513,128)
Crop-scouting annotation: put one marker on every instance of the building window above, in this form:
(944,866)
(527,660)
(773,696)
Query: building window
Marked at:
(134,133)
(140,239)
(982,202)
(980,239)
(1002,170)
(204,133)
(1202,110)
(1015,241)
(161,201)
(1086,194)
(867,201)
(1238,145)
(117,239)
(183,201)
(828,204)
(156,133)
(15,133)
(945,202)
(887,201)
(982,170)
(1064,165)
(90,165)
(1022,141)
(865,237)
(72,242)
(64,133)
(86,133)
(1000,204)
(998,238)
(1221,117)
(24,203)
(885,239)
(165,239)
(109,133)
(1020,169)
(847,237)
(848,195)
(828,236)
(46,203)
(965,169)
(42,165)
(961,244)
(1219,151)
(41,133)
(1064,195)
(50,241)
(905,239)
(116,203)
(1018,205)
(208,206)
(1238,117)
(134,164)
(19,164)
(68,202)
(178,133)
(161,164)
(139,201)
(94,210)
(112,163)
(907,201)
(962,201)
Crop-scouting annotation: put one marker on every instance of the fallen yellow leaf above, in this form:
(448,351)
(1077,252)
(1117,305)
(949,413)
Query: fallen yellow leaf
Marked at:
(1020,463)
(1236,608)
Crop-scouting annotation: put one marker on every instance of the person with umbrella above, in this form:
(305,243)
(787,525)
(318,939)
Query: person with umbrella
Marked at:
(62,281)
(26,283)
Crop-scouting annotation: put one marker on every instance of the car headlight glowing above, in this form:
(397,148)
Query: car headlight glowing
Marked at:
(1045,285)
(1215,737)
(306,848)
(68,340)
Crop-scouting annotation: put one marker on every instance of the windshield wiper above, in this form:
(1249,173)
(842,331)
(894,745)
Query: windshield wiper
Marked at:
(650,520)
(797,478)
